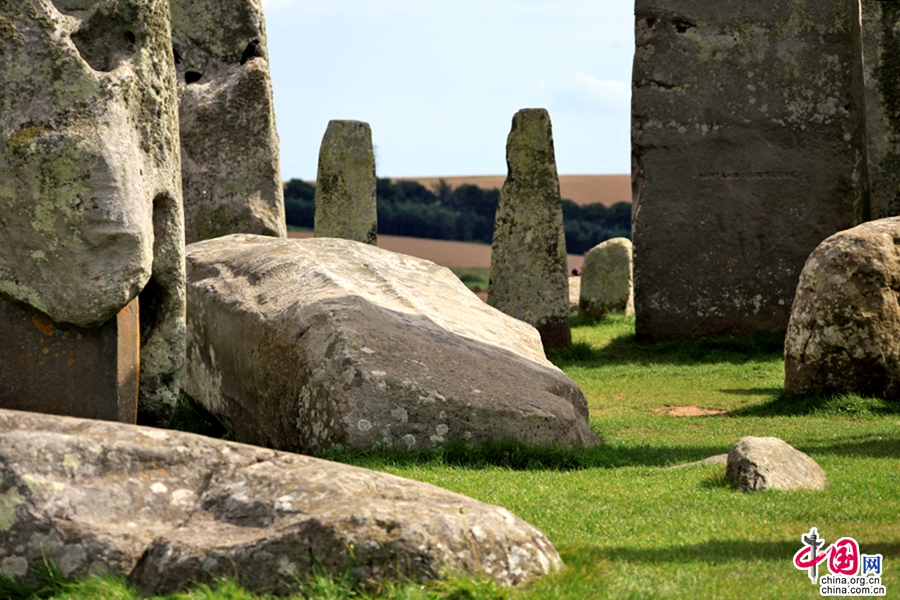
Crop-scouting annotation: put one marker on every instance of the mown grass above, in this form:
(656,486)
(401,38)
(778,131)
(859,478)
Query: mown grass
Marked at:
(627,524)
(473,277)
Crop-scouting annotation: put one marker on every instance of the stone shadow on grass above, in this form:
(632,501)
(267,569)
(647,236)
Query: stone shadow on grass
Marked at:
(626,349)
(519,457)
(711,552)
(783,405)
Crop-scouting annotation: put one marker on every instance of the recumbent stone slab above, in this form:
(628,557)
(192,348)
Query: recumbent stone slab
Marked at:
(747,129)
(229,145)
(844,332)
(90,192)
(345,184)
(529,269)
(168,510)
(306,344)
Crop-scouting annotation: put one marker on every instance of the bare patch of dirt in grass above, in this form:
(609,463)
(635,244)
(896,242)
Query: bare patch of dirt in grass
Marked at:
(688,411)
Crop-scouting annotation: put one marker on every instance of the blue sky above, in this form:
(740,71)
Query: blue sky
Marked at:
(439,80)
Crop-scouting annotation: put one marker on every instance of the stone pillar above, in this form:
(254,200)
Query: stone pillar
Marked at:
(746,150)
(90,206)
(606,279)
(230,167)
(90,373)
(881,60)
(529,279)
(345,185)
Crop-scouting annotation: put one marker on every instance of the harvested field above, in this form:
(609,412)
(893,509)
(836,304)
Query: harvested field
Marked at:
(442,252)
(581,189)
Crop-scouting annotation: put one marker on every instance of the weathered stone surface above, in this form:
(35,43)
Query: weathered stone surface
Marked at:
(844,332)
(90,191)
(229,145)
(167,509)
(90,373)
(529,272)
(606,279)
(756,464)
(345,184)
(747,125)
(881,60)
(304,344)
(574,293)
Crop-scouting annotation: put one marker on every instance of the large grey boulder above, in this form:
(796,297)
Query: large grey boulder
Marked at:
(90,190)
(168,509)
(345,185)
(844,332)
(229,145)
(305,344)
(756,464)
(529,273)
(747,138)
(606,279)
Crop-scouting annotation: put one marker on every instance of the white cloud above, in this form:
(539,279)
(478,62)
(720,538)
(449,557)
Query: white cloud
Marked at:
(580,92)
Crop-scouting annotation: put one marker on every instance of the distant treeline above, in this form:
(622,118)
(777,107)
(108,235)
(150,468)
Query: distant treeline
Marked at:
(465,213)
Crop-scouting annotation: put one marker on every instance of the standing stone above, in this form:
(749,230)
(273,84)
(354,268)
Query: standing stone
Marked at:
(345,185)
(606,279)
(746,137)
(229,146)
(90,202)
(844,332)
(529,278)
(881,60)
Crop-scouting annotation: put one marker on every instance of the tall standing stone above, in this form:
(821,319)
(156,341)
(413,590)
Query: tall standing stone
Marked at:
(229,146)
(90,208)
(747,127)
(606,279)
(529,279)
(345,185)
(881,60)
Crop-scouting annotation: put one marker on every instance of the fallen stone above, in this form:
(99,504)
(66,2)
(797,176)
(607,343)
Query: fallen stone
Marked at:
(718,459)
(90,193)
(844,332)
(168,509)
(229,145)
(306,344)
(747,130)
(529,269)
(345,184)
(606,279)
(756,464)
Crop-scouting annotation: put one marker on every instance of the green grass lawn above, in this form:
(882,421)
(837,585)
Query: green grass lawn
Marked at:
(473,277)
(629,526)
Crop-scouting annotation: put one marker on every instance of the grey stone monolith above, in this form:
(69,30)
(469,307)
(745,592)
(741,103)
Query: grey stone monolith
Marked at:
(881,60)
(747,137)
(345,185)
(606,279)
(529,279)
(90,203)
(229,145)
